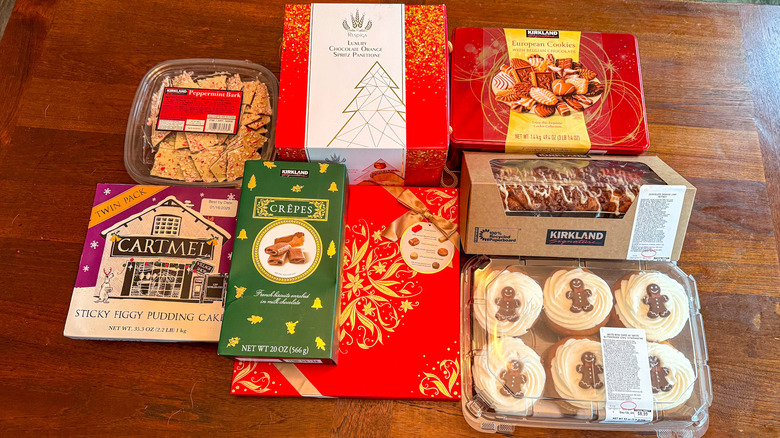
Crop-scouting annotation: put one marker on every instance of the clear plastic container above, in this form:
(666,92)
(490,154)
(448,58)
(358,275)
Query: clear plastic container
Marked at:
(489,402)
(140,143)
(570,187)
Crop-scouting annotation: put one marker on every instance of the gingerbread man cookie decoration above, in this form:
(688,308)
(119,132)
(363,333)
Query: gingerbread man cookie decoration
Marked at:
(656,301)
(590,371)
(513,379)
(507,305)
(579,296)
(658,376)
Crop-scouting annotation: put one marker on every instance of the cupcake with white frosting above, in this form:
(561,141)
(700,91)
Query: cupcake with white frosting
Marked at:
(671,376)
(510,375)
(651,301)
(577,372)
(576,302)
(506,303)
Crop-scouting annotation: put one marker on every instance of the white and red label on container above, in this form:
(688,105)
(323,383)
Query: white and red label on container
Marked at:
(199,110)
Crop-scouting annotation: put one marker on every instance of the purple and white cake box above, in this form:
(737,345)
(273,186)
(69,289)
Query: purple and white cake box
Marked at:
(155,264)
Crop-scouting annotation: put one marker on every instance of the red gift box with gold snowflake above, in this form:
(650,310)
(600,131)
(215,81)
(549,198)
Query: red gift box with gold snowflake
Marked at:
(399,305)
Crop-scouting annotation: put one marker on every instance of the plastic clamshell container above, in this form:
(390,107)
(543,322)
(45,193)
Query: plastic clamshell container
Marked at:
(689,418)
(139,155)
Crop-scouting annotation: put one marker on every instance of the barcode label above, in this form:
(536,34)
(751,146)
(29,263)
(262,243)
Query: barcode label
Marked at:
(220,124)
(220,127)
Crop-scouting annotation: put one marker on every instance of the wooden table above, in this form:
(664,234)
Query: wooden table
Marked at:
(68,72)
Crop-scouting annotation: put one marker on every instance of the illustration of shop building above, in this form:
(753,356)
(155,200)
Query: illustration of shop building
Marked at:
(168,252)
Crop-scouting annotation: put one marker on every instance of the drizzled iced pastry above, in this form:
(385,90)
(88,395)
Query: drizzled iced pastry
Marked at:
(576,301)
(671,376)
(506,303)
(568,187)
(654,302)
(510,375)
(577,370)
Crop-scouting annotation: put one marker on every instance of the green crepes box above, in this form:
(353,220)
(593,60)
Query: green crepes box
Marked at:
(284,288)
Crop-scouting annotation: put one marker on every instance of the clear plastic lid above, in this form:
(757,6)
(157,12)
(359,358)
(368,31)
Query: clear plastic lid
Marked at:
(532,353)
(195,122)
(581,188)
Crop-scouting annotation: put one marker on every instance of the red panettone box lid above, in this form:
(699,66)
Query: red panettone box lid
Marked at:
(367,86)
(399,306)
(592,98)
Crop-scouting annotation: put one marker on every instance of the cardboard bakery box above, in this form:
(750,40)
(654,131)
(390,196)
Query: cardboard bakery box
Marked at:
(634,208)
(546,91)
(285,278)
(366,85)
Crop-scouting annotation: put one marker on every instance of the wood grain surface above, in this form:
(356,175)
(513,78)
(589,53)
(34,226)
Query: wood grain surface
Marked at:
(68,73)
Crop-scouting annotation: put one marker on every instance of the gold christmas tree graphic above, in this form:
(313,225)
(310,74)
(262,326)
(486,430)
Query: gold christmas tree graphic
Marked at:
(252,183)
(377,118)
(331,249)
(320,343)
(254,319)
(317,304)
(291,326)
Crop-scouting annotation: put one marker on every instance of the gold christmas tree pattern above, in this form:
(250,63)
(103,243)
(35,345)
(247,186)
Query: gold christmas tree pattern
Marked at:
(377,118)
(254,319)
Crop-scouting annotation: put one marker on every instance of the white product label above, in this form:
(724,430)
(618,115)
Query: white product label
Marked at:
(655,224)
(219,207)
(356,104)
(220,124)
(626,376)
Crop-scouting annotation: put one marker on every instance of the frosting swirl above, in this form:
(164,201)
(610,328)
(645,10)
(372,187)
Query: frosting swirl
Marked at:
(490,375)
(681,376)
(567,379)
(634,305)
(558,306)
(506,303)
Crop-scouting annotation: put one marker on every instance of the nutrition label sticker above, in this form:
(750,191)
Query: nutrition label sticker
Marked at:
(626,376)
(655,224)
(198,110)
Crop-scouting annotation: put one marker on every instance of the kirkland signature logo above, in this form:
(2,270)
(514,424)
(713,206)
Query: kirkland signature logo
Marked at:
(576,237)
(302,173)
(495,235)
(541,34)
